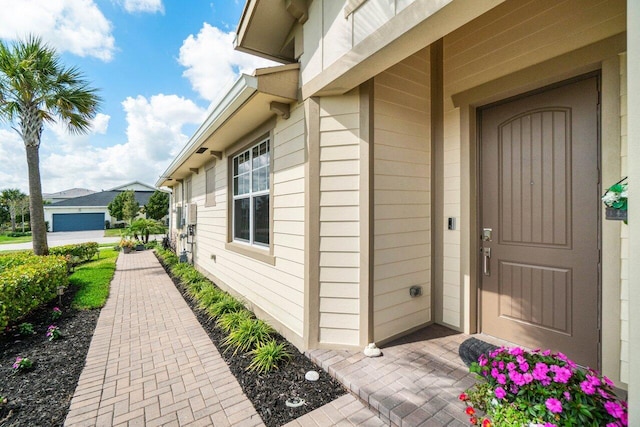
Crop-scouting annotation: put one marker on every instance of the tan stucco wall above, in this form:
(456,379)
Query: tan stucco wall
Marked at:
(402,196)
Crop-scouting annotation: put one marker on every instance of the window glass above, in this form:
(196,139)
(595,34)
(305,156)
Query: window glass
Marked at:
(261,219)
(251,170)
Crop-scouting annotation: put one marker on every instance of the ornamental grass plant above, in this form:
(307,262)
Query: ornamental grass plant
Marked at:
(540,389)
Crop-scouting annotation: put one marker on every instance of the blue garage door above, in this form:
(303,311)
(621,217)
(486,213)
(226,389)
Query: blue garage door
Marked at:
(78,222)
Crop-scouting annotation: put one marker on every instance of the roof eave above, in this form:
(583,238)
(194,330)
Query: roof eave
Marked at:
(278,84)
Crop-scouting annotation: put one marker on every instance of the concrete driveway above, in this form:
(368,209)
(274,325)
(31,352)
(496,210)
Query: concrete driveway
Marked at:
(62,238)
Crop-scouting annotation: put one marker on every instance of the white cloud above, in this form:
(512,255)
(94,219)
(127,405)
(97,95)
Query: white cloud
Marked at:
(213,64)
(76,26)
(145,6)
(69,141)
(154,135)
(13,173)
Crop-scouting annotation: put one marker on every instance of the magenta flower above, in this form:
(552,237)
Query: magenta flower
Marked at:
(587,387)
(562,374)
(567,395)
(615,410)
(550,425)
(553,405)
(500,393)
(540,371)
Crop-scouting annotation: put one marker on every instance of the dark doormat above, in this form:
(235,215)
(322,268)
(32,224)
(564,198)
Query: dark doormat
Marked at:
(471,349)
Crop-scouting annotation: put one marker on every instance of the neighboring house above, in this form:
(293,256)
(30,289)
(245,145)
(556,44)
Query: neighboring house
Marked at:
(90,212)
(66,194)
(417,162)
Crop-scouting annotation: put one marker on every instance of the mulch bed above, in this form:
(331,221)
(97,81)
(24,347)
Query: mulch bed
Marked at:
(41,396)
(269,392)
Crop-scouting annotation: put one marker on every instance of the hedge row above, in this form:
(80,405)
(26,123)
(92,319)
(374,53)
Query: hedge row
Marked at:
(76,253)
(28,281)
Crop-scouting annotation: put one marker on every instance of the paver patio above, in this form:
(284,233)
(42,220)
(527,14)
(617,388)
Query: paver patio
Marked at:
(150,363)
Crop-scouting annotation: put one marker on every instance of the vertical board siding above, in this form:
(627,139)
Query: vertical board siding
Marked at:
(402,196)
(277,290)
(339,219)
(624,236)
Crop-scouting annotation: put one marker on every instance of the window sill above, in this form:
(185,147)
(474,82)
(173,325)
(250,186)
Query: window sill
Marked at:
(251,252)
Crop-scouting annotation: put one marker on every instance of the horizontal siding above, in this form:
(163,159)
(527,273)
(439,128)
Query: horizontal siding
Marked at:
(339,219)
(278,290)
(402,197)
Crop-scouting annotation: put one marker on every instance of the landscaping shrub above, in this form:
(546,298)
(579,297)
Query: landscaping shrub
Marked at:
(250,334)
(28,283)
(76,253)
(245,333)
(267,356)
(15,259)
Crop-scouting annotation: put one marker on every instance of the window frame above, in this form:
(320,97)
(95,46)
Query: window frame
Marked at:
(251,194)
(261,253)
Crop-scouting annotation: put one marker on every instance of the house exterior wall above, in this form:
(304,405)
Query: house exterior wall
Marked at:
(402,197)
(339,263)
(513,48)
(274,292)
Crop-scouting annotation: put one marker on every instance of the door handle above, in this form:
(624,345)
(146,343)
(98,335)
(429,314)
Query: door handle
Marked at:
(486,261)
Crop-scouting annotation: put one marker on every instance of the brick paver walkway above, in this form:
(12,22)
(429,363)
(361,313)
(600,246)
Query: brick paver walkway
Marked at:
(150,363)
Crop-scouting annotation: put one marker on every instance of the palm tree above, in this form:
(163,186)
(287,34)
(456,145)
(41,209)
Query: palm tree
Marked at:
(36,88)
(12,198)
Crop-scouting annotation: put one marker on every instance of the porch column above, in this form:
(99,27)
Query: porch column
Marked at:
(633,166)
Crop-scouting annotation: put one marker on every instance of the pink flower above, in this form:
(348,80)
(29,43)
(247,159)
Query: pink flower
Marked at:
(587,387)
(608,382)
(500,393)
(553,405)
(540,371)
(482,360)
(550,425)
(567,395)
(516,351)
(562,374)
(614,409)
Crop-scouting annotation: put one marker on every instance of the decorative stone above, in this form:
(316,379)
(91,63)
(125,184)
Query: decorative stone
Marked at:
(312,376)
(372,351)
(294,402)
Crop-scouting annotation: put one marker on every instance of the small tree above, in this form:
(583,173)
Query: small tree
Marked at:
(141,228)
(115,207)
(130,206)
(13,198)
(158,205)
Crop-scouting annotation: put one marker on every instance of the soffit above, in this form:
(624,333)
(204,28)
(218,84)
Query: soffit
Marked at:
(264,28)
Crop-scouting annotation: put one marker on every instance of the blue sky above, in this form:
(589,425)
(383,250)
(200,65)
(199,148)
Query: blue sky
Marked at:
(159,64)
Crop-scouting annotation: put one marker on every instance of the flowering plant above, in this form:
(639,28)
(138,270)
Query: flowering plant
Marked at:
(616,196)
(53,332)
(22,364)
(56,313)
(540,389)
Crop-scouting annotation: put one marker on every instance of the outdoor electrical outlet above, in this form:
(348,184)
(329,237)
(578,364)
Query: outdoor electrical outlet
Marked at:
(415,291)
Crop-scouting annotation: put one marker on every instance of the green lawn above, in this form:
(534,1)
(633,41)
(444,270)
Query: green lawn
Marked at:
(94,279)
(4,239)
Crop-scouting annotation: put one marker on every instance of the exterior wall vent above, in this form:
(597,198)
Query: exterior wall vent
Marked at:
(192,213)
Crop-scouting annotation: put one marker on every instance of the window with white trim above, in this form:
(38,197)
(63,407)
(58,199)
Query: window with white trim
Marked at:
(251,169)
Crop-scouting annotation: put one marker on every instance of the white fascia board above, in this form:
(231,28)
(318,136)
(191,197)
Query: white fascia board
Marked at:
(239,93)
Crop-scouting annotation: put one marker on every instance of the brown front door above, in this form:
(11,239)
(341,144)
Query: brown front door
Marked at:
(540,204)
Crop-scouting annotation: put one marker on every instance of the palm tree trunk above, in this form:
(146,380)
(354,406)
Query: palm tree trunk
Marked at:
(36,208)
